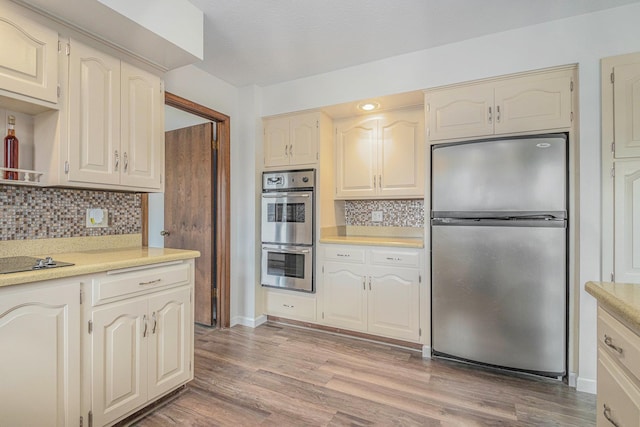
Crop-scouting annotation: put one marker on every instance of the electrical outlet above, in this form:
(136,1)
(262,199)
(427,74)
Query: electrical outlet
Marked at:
(97,218)
(376,216)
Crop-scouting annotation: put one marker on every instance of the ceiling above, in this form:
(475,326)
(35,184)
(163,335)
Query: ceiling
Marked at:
(265,42)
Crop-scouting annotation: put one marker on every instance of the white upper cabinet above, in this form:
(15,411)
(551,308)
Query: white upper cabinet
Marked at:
(381,156)
(626,98)
(28,55)
(536,102)
(111,131)
(291,140)
(627,221)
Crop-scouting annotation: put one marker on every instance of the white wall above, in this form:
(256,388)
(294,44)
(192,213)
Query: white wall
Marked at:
(583,40)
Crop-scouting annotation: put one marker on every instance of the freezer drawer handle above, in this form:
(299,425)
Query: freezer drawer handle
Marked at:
(609,342)
(607,414)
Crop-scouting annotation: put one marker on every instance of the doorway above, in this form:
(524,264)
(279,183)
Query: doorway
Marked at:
(213,149)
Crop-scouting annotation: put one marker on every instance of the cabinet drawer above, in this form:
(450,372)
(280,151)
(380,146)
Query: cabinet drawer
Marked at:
(397,258)
(619,342)
(618,398)
(291,306)
(111,287)
(344,254)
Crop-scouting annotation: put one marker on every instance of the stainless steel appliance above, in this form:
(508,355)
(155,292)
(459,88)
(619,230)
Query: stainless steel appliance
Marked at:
(288,229)
(17,264)
(499,253)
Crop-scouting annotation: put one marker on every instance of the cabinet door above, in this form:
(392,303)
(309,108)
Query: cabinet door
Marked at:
(394,302)
(626,98)
(356,159)
(533,103)
(618,396)
(40,357)
(142,132)
(344,296)
(460,112)
(303,142)
(28,55)
(94,116)
(119,348)
(401,155)
(276,142)
(627,221)
(170,344)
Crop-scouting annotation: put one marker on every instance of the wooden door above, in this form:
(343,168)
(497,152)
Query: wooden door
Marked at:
(189,208)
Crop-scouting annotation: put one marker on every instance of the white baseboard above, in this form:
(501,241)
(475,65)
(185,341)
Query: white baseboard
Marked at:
(247,321)
(587,385)
(426,352)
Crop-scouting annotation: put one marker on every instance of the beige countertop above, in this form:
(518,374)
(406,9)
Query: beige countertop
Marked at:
(399,237)
(98,260)
(621,299)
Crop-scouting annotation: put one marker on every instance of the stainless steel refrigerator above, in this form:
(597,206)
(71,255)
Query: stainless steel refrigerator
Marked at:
(499,252)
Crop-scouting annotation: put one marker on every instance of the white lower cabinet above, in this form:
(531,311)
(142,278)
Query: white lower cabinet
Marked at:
(373,290)
(618,366)
(40,357)
(139,339)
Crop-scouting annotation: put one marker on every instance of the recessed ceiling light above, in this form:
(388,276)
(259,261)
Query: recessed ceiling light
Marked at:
(369,106)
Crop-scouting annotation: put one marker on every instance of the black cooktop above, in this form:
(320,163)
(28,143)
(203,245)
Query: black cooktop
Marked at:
(17,264)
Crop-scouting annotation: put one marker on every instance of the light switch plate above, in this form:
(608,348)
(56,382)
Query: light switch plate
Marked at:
(97,217)
(376,216)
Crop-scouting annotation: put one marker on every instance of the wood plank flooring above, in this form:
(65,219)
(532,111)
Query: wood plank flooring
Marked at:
(280,375)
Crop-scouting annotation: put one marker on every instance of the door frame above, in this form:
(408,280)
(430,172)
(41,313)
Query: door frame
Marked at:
(223,202)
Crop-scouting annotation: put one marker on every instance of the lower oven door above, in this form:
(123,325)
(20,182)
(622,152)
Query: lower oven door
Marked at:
(289,267)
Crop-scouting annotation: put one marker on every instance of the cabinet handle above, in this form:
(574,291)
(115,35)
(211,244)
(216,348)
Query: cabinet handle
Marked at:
(343,255)
(364,283)
(286,151)
(117,161)
(380,181)
(607,414)
(394,259)
(374,181)
(144,332)
(126,162)
(369,282)
(151,282)
(609,342)
(497,114)
(291,150)
(490,117)
(155,323)
(287,305)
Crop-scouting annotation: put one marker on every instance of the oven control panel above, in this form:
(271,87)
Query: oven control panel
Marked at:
(288,180)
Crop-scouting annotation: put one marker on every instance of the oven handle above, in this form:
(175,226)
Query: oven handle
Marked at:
(286,250)
(280,195)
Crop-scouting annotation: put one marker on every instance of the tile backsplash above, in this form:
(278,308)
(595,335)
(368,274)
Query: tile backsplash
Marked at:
(395,213)
(40,213)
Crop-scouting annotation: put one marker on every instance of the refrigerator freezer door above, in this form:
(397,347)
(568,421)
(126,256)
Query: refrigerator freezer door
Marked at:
(506,175)
(499,295)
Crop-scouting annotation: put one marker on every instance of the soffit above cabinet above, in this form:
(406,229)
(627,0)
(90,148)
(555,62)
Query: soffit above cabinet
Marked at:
(169,34)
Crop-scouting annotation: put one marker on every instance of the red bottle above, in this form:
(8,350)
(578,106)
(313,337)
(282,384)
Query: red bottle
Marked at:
(11,150)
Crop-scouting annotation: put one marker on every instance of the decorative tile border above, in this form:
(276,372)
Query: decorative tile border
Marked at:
(395,213)
(39,213)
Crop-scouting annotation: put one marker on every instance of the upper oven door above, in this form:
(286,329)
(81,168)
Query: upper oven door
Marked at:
(287,217)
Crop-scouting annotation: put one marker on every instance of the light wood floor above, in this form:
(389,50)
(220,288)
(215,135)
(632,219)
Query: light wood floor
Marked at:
(278,375)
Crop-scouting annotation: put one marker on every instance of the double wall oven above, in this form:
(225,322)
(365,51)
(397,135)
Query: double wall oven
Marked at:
(288,229)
